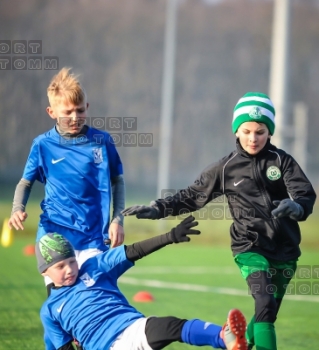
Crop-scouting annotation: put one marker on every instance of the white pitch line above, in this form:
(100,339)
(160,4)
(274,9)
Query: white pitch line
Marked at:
(189,270)
(205,289)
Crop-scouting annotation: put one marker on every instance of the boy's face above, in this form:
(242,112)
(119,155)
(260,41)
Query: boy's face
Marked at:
(64,272)
(69,117)
(253,136)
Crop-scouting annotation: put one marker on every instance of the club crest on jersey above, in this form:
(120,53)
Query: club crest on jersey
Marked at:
(87,280)
(273,173)
(98,155)
(255,113)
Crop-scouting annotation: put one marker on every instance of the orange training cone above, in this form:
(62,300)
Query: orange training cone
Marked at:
(6,234)
(143,297)
(29,249)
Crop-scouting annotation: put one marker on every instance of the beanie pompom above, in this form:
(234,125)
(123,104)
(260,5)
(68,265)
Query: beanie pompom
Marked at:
(254,107)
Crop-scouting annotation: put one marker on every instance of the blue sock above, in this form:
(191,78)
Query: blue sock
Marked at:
(200,333)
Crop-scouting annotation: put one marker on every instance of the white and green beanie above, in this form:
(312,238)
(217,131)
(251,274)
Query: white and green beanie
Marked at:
(254,107)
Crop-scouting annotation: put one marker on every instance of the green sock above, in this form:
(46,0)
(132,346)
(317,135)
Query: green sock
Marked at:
(250,331)
(265,336)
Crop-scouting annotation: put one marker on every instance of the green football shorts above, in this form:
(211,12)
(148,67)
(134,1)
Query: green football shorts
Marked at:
(280,272)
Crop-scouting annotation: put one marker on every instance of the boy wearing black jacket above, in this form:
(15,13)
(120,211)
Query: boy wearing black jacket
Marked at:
(267,193)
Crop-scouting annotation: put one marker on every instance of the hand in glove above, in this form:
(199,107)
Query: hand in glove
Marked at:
(143,211)
(287,207)
(180,232)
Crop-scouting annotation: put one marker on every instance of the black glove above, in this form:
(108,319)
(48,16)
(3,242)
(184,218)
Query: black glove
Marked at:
(287,207)
(143,211)
(179,233)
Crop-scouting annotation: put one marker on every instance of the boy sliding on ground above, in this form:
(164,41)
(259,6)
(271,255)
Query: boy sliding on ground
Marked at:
(86,303)
(267,193)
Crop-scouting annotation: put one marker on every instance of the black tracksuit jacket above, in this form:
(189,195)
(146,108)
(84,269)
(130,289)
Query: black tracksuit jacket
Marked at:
(251,184)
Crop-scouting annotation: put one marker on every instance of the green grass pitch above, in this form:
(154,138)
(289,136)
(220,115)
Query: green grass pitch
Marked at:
(191,280)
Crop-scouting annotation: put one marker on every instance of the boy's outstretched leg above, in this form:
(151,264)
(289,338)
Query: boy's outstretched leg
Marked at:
(161,331)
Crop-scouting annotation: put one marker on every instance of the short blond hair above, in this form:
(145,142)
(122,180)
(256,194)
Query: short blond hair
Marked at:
(65,86)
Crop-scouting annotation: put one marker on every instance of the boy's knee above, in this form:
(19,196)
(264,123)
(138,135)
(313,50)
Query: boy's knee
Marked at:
(265,308)
(263,293)
(161,331)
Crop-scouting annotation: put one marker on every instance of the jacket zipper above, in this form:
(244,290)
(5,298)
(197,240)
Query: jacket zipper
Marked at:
(264,194)
(260,185)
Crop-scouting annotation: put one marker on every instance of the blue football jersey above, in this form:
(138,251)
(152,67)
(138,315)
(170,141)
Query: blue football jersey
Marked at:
(77,175)
(93,310)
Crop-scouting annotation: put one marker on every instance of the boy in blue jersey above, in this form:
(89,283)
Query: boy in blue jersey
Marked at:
(86,303)
(81,171)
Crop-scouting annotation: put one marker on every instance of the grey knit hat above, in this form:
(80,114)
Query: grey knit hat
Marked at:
(254,107)
(51,249)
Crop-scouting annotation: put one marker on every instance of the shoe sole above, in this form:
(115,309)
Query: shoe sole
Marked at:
(237,324)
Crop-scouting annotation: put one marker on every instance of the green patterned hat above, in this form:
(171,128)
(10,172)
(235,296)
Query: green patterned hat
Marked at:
(254,107)
(51,249)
